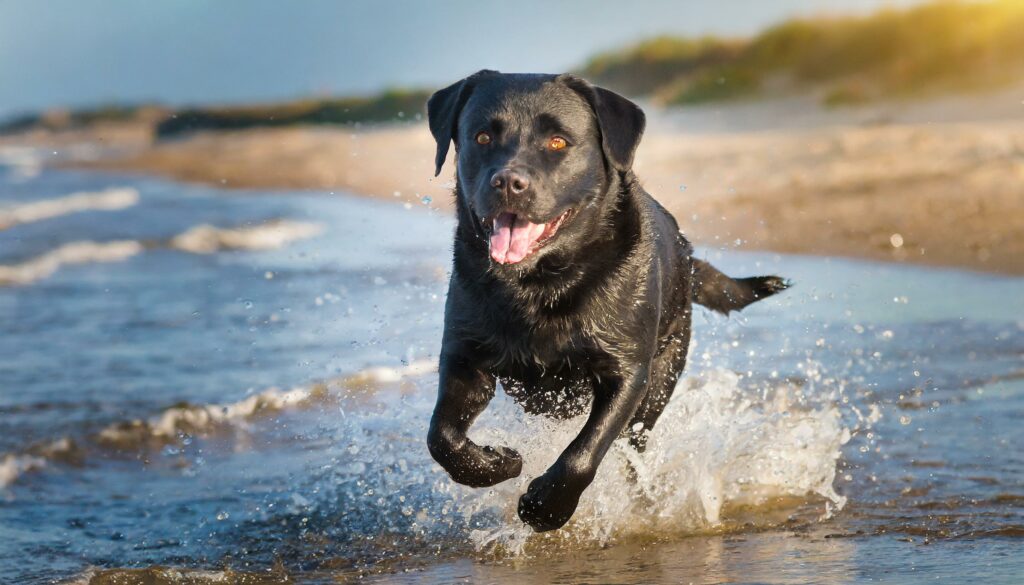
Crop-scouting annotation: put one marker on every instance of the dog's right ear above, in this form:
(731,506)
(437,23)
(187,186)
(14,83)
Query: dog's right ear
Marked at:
(443,109)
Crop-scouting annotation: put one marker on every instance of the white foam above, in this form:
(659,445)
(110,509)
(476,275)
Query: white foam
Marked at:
(13,466)
(207,239)
(715,445)
(203,239)
(72,253)
(158,574)
(26,162)
(201,418)
(108,200)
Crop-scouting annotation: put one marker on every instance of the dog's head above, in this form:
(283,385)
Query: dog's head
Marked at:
(536,154)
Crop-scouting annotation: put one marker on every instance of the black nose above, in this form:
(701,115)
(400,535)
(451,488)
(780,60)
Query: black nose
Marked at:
(511,181)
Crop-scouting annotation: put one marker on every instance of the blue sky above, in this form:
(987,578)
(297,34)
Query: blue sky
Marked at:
(79,52)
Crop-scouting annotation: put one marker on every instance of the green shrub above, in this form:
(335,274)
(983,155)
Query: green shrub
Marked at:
(945,45)
(720,83)
(845,95)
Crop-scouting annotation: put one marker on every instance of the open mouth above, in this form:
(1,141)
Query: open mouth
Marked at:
(513,237)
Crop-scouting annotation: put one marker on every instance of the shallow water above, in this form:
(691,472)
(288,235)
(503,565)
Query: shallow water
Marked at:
(256,402)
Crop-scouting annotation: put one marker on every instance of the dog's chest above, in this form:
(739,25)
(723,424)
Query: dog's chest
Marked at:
(544,345)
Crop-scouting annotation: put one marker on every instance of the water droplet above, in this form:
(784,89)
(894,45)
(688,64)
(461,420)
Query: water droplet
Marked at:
(223,515)
(426,200)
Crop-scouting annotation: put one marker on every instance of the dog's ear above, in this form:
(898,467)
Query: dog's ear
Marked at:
(443,110)
(620,121)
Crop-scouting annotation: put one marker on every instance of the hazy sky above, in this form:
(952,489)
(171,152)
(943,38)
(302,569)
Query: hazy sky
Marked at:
(84,52)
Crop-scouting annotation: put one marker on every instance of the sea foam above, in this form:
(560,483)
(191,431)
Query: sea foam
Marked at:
(84,252)
(207,239)
(107,200)
(203,239)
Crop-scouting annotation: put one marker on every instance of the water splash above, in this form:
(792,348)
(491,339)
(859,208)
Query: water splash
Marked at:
(715,446)
(719,447)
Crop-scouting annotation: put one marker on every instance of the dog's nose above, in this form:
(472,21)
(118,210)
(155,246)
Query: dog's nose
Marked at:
(511,181)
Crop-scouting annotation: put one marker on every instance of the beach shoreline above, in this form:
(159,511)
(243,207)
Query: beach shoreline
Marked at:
(872,183)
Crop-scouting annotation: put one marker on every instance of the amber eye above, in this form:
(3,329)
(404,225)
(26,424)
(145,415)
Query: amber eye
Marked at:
(483,138)
(557,143)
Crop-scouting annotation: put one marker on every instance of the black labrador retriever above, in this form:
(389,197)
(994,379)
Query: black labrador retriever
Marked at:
(571,285)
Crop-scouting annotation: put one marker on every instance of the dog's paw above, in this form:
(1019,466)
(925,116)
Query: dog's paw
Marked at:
(478,466)
(766,286)
(549,502)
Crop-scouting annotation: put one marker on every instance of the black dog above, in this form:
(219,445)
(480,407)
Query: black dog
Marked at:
(571,285)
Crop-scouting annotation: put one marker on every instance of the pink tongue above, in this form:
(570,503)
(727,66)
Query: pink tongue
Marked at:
(512,238)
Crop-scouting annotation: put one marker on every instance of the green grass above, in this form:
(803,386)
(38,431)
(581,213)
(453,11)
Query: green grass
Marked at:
(939,47)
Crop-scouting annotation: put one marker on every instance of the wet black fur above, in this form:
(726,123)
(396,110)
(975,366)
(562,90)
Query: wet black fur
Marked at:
(598,317)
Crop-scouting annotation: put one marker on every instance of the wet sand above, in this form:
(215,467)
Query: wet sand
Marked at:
(885,186)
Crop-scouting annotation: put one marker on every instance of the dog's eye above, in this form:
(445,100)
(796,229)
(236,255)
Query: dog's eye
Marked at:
(483,138)
(557,143)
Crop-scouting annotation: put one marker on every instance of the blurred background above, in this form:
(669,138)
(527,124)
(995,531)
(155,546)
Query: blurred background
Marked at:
(224,256)
(862,98)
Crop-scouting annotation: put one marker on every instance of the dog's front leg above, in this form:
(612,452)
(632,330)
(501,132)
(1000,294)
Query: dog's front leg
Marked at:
(463,393)
(551,499)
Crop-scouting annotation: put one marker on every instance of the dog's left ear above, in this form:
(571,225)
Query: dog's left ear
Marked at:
(620,121)
(443,110)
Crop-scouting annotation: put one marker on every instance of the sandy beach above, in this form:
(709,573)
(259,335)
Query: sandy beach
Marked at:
(886,183)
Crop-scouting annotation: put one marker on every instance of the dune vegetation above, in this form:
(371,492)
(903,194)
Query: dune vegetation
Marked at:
(391,105)
(932,48)
(388,106)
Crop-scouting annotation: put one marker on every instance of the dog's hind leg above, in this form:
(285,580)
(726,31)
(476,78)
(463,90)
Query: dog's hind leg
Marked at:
(719,292)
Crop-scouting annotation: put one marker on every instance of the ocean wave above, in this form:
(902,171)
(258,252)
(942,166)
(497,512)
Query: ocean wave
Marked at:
(174,423)
(203,239)
(107,200)
(84,252)
(26,162)
(207,239)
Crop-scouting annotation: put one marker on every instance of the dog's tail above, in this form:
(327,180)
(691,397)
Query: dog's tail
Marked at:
(721,293)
